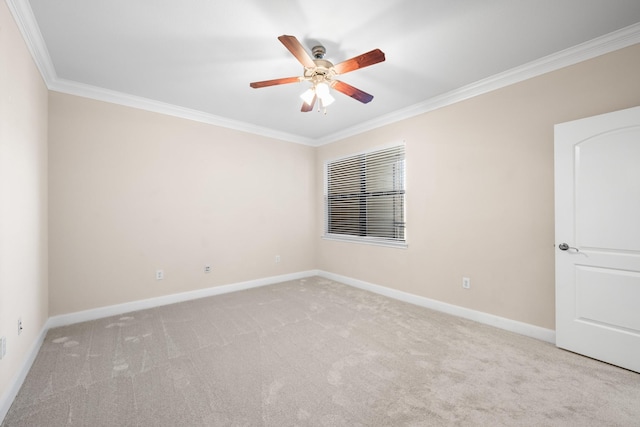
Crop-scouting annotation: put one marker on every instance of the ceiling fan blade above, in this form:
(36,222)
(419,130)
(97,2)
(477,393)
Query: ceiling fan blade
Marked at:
(308,107)
(360,61)
(294,46)
(351,91)
(274,82)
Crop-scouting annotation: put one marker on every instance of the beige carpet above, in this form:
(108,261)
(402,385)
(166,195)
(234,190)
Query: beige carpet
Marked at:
(313,353)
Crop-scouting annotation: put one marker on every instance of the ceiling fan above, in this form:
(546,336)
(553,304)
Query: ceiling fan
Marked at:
(321,74)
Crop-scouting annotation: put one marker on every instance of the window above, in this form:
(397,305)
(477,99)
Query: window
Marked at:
(365,197)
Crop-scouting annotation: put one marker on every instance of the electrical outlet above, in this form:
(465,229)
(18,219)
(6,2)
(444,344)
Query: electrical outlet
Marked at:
(466,283)
(3,347)
(159,274)
(19,325)
(277,259)
(207,269)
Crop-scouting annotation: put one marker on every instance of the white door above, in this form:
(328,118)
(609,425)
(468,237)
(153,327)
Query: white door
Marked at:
(597,208)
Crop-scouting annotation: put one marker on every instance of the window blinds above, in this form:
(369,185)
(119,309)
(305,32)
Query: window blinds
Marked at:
(365,196)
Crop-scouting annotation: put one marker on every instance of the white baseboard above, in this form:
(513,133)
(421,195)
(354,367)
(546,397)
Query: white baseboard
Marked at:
(521,328)
(98,313)
(114,310)
(16,382)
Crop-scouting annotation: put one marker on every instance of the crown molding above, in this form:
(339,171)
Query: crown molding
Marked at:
(28,26)
(611,42)
(23,15)
(114,97)
(26,22)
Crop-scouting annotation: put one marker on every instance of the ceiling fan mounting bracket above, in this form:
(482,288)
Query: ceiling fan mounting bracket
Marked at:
(318,52)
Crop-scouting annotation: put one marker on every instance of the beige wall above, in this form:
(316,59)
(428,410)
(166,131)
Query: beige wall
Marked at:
(23,199)
(133,191)
(480,191)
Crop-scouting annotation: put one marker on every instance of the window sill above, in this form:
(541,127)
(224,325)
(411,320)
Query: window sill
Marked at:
(365,241)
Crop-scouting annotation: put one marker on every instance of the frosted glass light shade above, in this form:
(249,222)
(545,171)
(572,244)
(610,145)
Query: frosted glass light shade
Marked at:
(322,90)
(308,95)
(327,99)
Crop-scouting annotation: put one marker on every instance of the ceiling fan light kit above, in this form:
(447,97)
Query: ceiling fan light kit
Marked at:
(321,74)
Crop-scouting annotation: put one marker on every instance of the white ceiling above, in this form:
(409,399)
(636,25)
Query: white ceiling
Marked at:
(196,58)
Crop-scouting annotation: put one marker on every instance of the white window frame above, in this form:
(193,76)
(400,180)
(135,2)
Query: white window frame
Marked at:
(398,242)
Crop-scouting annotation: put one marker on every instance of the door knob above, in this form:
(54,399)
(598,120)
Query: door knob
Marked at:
(565,247)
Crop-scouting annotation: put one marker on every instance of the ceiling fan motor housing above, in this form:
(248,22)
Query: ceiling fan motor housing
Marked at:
(317,70)
(323,71)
